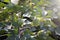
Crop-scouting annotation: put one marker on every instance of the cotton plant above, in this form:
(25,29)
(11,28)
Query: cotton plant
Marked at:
(27,19)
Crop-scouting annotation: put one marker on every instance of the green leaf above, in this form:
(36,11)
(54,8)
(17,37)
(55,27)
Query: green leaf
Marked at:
(6,0)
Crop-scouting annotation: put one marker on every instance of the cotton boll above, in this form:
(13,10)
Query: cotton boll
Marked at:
(14,2)
(26,15)
(44,13)
(55,10)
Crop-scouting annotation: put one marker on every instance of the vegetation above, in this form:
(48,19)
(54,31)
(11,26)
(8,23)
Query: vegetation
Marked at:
(26,20)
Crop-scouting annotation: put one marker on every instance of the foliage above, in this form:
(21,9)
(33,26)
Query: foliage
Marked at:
(28,20)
